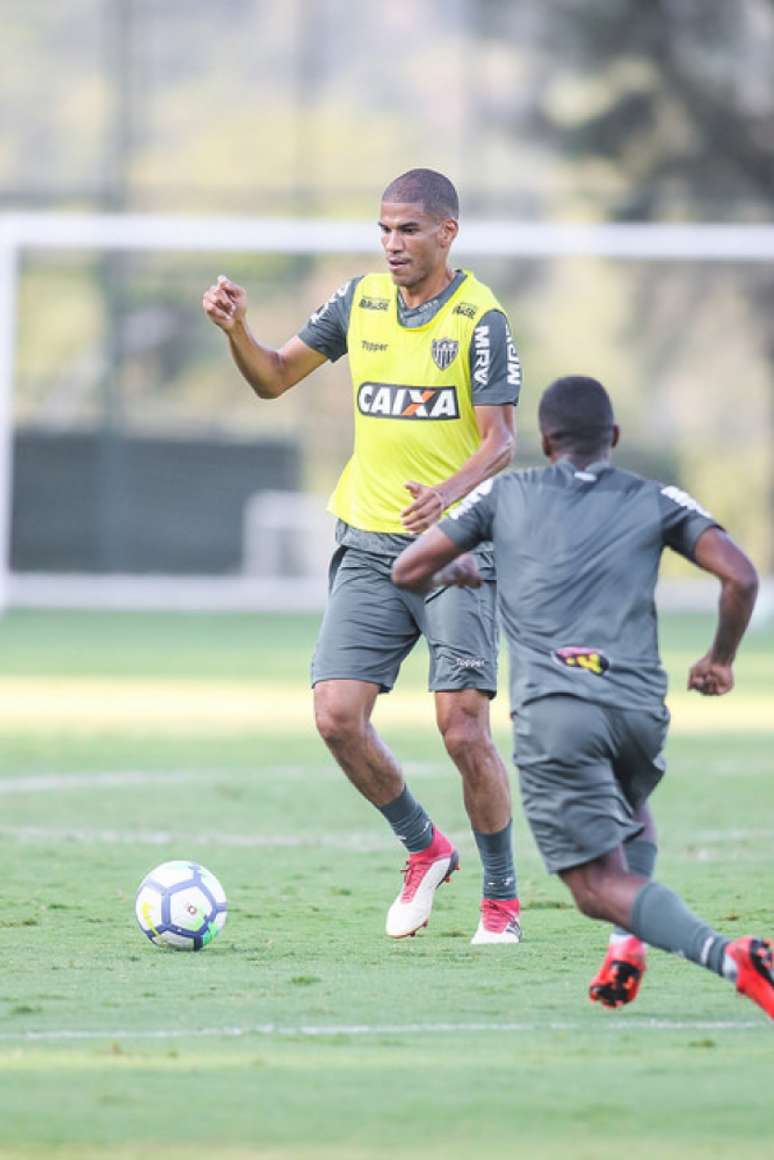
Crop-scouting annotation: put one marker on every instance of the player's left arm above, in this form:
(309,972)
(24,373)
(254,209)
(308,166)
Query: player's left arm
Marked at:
(692,532)
(717,553)
(496,383)
(440,557)
(498,441)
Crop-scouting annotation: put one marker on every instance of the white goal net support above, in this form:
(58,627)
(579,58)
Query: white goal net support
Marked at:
(275,524)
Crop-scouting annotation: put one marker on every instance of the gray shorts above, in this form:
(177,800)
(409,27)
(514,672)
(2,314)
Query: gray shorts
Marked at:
(370,627)
(584,769)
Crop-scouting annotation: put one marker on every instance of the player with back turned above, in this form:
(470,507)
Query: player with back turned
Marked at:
(435,379)
(578,546)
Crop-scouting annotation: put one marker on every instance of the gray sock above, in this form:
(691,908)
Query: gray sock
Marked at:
(496,852)
(410,824)
(641,858)
(661,918)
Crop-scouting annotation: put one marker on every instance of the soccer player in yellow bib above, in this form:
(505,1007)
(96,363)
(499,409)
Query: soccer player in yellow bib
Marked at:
(435,381)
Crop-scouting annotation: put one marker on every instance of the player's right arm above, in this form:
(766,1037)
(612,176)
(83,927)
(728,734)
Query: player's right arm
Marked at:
(269,372)
(435,561)
(717,553)
(440,557)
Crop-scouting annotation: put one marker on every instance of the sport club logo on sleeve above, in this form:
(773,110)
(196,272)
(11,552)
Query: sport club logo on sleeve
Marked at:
(389,401)
(482,347)
(585,660)
(684,500)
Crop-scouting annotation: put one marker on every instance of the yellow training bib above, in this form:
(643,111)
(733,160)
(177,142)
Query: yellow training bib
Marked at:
(414,414)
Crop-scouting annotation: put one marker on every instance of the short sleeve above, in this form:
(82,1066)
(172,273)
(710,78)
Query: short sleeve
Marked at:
(682,520)
(495,368)
(470,523)
(326,329)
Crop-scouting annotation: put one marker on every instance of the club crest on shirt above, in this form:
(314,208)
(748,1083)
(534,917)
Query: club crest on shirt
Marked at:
(587,660)
(444,352)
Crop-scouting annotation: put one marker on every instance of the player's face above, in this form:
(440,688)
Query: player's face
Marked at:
(416,245)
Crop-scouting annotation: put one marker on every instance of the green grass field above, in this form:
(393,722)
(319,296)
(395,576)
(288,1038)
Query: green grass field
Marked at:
(302,1031)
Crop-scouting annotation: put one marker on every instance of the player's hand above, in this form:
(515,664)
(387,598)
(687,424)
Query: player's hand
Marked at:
(711,678)
(225,303)
(460,573)
(428,507)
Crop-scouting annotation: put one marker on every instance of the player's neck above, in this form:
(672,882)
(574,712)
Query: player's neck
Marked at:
(578,460)
(430,287)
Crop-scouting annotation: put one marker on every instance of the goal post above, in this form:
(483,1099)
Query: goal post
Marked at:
(21,233)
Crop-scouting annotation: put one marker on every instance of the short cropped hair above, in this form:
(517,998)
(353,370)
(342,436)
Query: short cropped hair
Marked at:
(577,414)
(432,190)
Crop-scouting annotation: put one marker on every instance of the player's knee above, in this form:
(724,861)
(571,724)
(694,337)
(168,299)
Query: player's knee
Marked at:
(589,893)
(464,735)
(337,722)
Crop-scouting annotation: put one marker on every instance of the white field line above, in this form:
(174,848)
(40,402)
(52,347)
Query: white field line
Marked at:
(274,1030)
(50,835)
(52,782)
(48,782)
(364,841)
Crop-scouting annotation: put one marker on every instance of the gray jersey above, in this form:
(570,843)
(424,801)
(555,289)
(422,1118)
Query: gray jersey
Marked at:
(577,555)
(495,370)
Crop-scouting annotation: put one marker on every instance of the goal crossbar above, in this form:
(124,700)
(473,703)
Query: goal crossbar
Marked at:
(700,242)
(22,232)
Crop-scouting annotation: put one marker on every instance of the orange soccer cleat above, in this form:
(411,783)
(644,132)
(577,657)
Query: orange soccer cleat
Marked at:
(617,981)
(754,961)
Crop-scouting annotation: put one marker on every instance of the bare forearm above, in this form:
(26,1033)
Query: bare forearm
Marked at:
(717,553)
(258,365)
(492,456)
(737,599)
(432,561)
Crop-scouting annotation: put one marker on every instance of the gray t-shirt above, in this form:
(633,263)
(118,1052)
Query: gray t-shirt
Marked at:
(577,554)
(495,374)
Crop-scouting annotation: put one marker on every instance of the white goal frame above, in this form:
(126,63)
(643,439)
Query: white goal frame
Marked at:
(24,232)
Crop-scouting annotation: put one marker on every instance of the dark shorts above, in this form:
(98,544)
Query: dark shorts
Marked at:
(370,627)
(584,769)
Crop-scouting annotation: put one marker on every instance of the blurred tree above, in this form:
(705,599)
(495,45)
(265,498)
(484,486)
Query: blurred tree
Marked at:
(666,110)
(679,97)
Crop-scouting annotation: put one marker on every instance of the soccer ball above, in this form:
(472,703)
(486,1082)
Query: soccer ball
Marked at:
(180,905)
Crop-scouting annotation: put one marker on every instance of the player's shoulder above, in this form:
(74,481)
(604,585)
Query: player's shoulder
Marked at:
(663,501)
(671,496)
(376,282)
(347,287)
(480,295)
(564,474)
(339,303)
(630,481)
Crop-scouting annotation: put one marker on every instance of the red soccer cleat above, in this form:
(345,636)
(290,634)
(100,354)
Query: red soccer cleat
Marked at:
(499,922)
(422,875)
(617,981)
(754,959)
